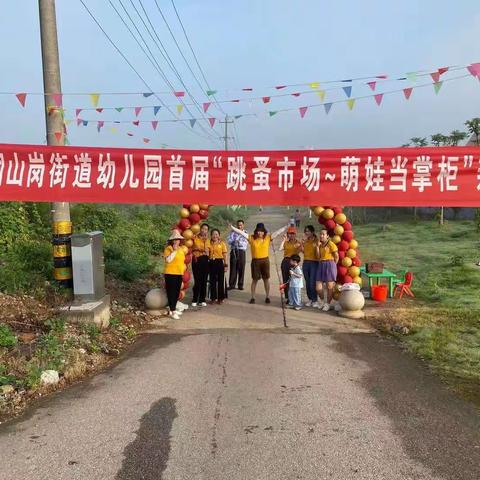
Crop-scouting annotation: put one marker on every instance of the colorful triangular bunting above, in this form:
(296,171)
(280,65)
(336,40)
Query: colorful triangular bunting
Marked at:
(211,92)
(272,113)
(265,99)
(303,111)
(437,86)
(435,76)
(321,94)
(22,98)
(57,99)
(118,109)
(179,109)
(206,106)
(137,111)
(179,94)
(146,140)
(407,92)
(443,70)
(350,103)
(411,76)
(95,97)
(247,89)
(372,85)
(136,122)
(156,110)
(154,124)
(474,69)
(279,87)
(211,120)
(378,98)
(99,110)
(147,94)
(296,94)
(100,125)
(348,91)
(328,107)
(314,85)
(192,122)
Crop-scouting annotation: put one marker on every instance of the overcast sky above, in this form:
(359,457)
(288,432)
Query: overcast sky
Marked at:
(248,43)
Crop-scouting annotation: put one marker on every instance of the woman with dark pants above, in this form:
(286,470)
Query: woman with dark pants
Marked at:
(201,252)
(310,265)
(290,246)
(218,266)
(173,273)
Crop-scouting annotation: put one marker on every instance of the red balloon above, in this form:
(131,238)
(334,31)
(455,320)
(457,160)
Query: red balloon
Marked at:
(341,254)
(194,218)
(186,205)
(343,246)
(342,271)
(184,223)
(341,279)
(203,214)
(347,226)
(186,276)
(356,262)
(347,279)
(331,233)
(337,210)
(188,259)
(330,224)
(348,235)
(321,220)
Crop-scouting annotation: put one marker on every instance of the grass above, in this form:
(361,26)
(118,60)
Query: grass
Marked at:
(444,321)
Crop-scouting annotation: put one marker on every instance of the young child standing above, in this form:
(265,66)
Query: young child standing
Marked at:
(295,284)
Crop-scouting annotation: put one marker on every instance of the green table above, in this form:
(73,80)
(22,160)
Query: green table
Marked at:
(390,276)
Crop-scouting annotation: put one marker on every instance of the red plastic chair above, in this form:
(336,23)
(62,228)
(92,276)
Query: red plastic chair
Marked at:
(404,287)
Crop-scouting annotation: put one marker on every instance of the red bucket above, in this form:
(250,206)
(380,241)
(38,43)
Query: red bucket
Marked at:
(379,293)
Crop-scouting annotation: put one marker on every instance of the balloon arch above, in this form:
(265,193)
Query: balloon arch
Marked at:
(331,218)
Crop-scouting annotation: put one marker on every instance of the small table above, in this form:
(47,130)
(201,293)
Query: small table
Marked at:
(390,276)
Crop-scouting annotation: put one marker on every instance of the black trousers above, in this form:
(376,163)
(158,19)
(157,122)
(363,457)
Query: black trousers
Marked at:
(200,277)
(285,267)
(173,285)
(217,280)
(237,267)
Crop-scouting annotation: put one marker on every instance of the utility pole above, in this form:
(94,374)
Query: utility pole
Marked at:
(62,226)
(226,137)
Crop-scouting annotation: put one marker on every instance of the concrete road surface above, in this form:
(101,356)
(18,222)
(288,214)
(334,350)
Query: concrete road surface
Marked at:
(228,393)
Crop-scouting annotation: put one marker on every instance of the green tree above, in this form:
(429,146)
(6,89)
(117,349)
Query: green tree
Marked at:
(419,141)
(439,139)
(455,137)
(473,127)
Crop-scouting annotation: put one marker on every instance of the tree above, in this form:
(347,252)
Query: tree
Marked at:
(439,139)
(419,141)
(455,137)
(473,127)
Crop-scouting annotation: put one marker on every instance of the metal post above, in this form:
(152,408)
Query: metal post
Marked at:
(226,137)
(62,226)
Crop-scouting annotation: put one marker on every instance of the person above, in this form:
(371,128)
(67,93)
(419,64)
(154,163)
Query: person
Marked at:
(174,269)
(260,247)
(327,253)
(238,249)
(291,221)
(290,246)
(218,266)
(201,255)
(310,264)
(298,218)
(295,283)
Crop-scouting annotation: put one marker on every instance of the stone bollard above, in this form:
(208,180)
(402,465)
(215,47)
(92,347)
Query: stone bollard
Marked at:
(351,301)
(156,302)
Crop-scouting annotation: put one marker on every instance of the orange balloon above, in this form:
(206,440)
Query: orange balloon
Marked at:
(194,208)
(184,213)
(353,244)
(336,239)
(189,243)
(354,271)
(347,262)
(203,206)
(195,228)
(339,230)
(340,218)
(318,211)
(351,253)
(187,235)
(328,213)
(358,280)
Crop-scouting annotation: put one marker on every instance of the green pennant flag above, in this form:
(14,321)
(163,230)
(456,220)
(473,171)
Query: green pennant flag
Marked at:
(119,109)
(412,76)
(211,92)
(437,86)
(272,113)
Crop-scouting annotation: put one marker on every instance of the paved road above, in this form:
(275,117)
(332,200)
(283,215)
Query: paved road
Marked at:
(230,394)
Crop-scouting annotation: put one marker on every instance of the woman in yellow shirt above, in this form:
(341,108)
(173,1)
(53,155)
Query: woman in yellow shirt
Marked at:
(174,269)
(327,253)
(260,247)
(310,264)
(201,255)
(290,246)
(218,266)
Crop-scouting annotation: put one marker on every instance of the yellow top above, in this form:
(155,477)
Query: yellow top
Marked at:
(260,246)
(177,265)
(309,249)
(217,249)
(200,246)
(327,251)
(290,248)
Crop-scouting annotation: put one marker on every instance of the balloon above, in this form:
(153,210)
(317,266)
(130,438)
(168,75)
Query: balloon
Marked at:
(328,213)
(337,210)
(185,249)
(347,262)
(348,235)
(340,218)
(341,254)
(351,253)
(189,243)
(357,280)
(339,230)
(357,262)
(187,234)
(185,285)
(194,208)
(188,259)
(347,226)
(343,246)
(194,218)
(203,206)
(203,214)
(330,224)
(318,211)
(354,271)
(186,276)
(354,244)
(184,213)
(322,220)
(186,205)
(336,239)
(342,271)
(347,279)
(195,228)
(184,224)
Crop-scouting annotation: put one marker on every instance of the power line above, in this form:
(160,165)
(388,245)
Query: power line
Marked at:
(114,45)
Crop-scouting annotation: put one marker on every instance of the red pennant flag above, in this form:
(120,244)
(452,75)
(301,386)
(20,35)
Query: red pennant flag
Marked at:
(265,99)
(297,94)
(57,98)
(372,85)
(100,124)
(435,76)
(235,101)
(279,87)
(77,112)
(154,124)
(248,89)
(58,136)
(146,140)
(206,106)
(136,123)
(378,98)
(474,70)
(212,121)
(303,111)
(443,70)
(130,134)
(382,77)
(179,94)
(99,110)
(22,98)
(79,122)
(137,111)
(407,92)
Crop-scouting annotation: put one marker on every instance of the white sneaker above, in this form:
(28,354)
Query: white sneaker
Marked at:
(174,315)
(326,307)
(298,308)
(203,304)
(316,305)
(179,312)
(309,303)
(181,306)
(194,305)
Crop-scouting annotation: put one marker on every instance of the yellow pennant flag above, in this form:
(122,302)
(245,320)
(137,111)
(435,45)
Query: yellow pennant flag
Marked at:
(113,130)
(314,85)
(179,109)
(350,103)
(95,97)
(321,94)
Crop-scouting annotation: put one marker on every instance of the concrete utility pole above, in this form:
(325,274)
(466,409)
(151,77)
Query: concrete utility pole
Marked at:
(62,226)
(226,137)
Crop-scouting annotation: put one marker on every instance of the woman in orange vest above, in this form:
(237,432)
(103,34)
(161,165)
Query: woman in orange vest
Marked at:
(173,272)
(290,246)
(260,247)
(201,255)
(218,266)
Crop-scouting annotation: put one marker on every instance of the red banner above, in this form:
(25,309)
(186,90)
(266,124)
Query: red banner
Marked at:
(430,176)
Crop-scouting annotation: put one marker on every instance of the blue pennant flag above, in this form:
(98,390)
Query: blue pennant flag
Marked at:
(156,110)
(238,116)
(85,123)
(192,122)
(347,81)
(147,94)
(348,91)
(327,106)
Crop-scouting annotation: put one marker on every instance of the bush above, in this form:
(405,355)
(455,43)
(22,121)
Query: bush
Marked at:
(7,337)
(50,352)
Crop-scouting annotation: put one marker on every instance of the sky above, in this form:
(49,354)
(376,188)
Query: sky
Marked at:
(247,43)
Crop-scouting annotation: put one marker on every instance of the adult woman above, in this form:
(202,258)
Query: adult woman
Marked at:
(201,254)
(327,253)
(260,247)
(310,264)
(290,246)
(218,266)
(174,269)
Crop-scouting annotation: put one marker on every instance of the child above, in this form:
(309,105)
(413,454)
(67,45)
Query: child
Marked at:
(295,284)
